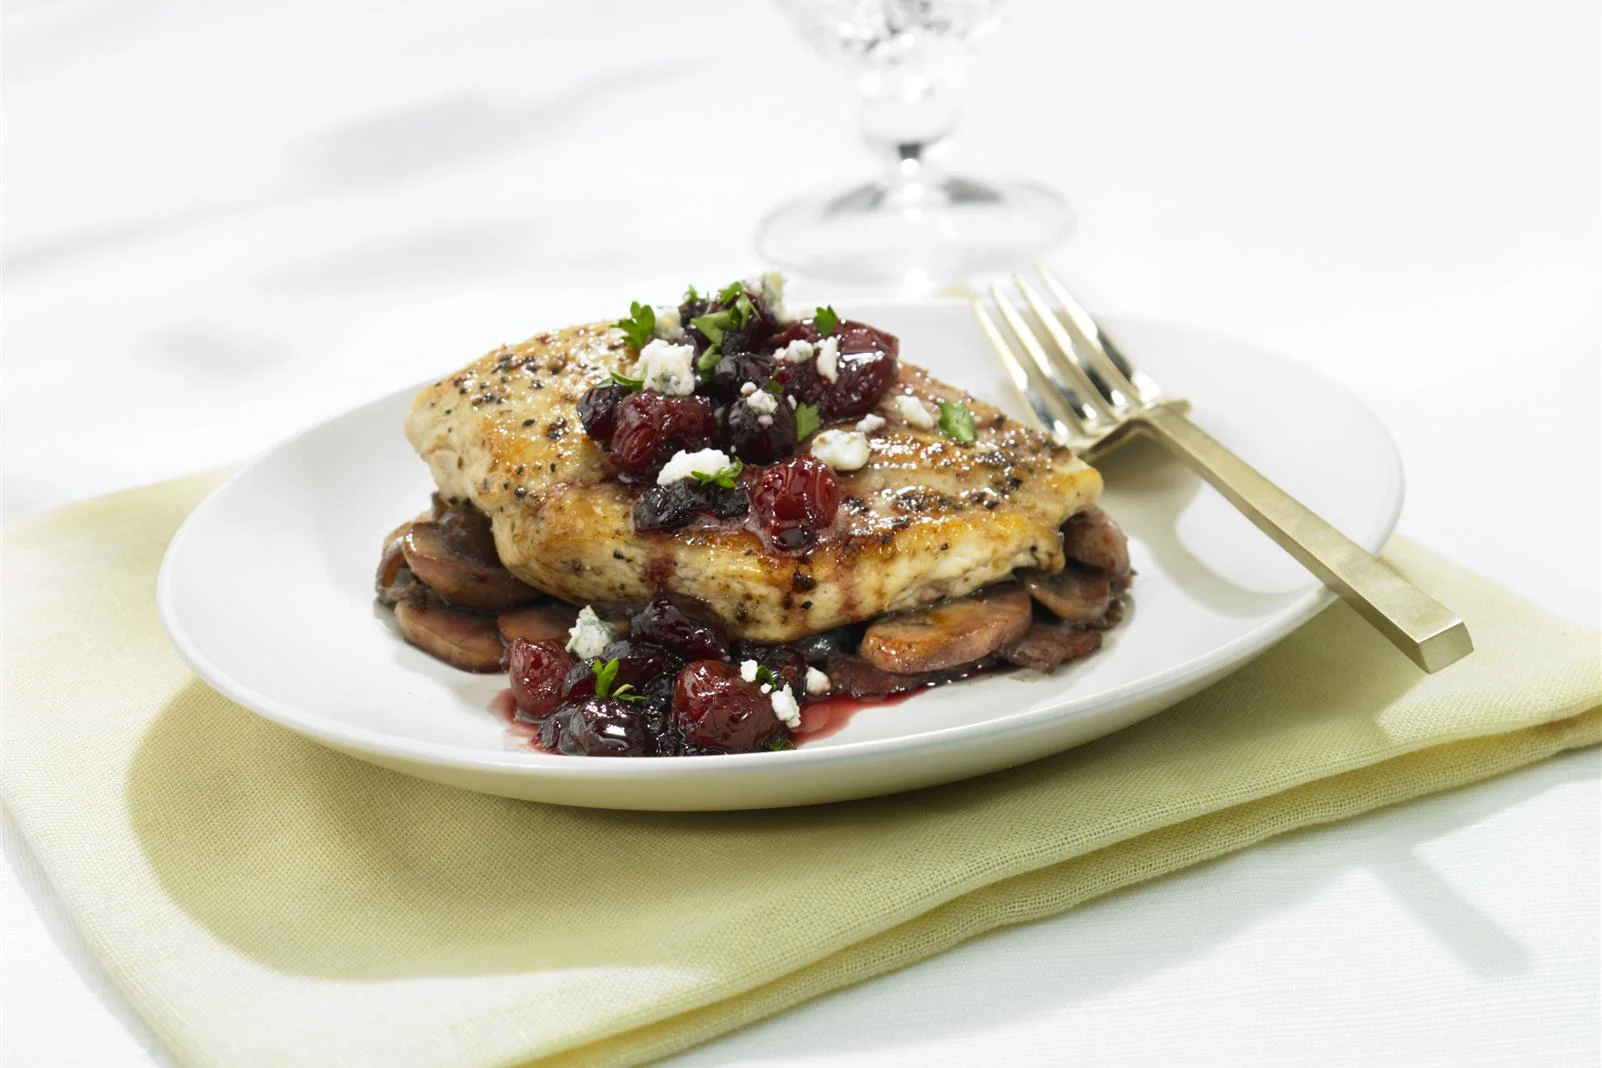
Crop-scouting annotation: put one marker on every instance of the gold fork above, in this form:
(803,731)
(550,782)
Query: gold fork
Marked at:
(1084,391)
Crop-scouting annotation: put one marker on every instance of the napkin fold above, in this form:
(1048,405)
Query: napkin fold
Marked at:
(265,901)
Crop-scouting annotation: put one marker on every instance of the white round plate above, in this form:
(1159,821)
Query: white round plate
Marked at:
(266,591)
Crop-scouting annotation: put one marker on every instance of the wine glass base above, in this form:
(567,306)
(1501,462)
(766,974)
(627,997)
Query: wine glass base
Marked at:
(914,236)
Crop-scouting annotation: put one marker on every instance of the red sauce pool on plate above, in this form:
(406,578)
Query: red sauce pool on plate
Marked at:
(819,719)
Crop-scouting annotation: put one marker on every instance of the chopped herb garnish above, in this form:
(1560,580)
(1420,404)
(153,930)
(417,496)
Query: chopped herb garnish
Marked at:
(775,387)
(639,326)
(626,692)
(630,384)
(691,295)
(806,421)
(730,292)
(713,324)
(725,476)
(763,675)
(605,675)
(744,310)
(826,320)
(957,421)
(779,743)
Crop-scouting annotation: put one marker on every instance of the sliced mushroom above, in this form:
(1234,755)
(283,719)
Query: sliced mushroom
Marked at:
(855,676)
(1075,594)
(454,567)
(1051,644)
(949,633)
(538,622)
(467,531)
(1095,540)
(460,639)
(394,582)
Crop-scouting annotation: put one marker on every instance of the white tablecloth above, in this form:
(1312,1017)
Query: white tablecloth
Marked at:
(227,221)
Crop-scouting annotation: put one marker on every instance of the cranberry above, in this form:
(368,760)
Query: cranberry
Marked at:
(787,663)
(805,330)
(801,381)
(667,507)
(579,682)
(762,437)
(718,710)
(861,380)
(639,662)
(681,626)
(674,505)
(536,671)
(652,426)
(860,337)
(726,502)
(735,369)
(795,500)
(598,727)
(752,336)
(598,410)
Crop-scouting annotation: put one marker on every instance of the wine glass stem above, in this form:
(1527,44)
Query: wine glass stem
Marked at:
(902,122)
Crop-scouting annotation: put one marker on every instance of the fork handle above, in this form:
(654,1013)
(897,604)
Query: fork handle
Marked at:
(1418,625)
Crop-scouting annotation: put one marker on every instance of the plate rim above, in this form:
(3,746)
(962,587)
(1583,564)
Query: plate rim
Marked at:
(1221,659)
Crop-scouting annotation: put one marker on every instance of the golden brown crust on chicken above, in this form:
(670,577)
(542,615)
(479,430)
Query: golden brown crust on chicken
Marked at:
(927,518)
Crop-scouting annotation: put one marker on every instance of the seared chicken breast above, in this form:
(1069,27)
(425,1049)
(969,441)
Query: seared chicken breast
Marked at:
(925,519)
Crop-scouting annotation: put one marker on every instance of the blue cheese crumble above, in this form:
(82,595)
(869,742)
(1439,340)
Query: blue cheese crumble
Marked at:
(913,411)
(828,357)
(688,464)
(785,707)
(668,325)
(667,368)
(590,635)
(798,351)
(843,450)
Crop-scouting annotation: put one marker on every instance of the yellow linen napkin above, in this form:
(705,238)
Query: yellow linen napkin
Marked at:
(265,901)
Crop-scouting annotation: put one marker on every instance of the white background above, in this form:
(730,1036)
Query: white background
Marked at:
(227,221)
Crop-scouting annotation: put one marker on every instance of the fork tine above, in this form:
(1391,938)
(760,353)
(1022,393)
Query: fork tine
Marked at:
(1087,419)
(1050,418)
(1110,402)
(1114,364)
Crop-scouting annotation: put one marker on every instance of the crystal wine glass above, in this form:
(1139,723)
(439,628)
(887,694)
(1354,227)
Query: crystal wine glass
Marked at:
(915,227)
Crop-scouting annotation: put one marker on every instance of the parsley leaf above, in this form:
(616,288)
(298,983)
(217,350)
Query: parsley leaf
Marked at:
(639,326)
(713,324)
(729,293)
(957,421)
(605,675)
(806,421)
(826,320)
(779,743)
(763,675)
(691,295)
(626,692)
(724,477)
(744,310)
(775,387)
(630,384)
